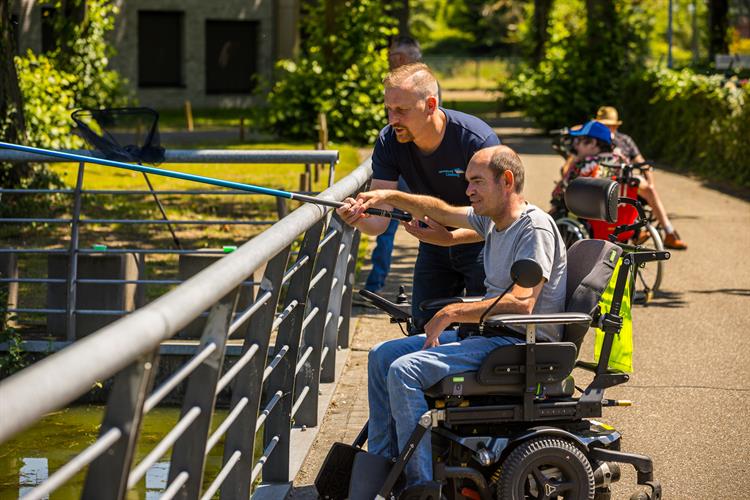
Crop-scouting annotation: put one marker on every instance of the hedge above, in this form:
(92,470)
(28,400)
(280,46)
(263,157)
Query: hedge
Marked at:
(692,122)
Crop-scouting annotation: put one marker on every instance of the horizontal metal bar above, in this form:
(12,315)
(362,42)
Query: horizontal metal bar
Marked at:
(162,446)
(177,377)
(310,317)
(32,280)
(75,465)
(275,361)
(323,355)
(239,321)
(318,277)
(296,267)
(329,315)
(174,488)
(26,220)
(229,420)
(87,251)
(222,475)
(263,458)
(141,192)
(302,360)
(267,410)
(236,367)
(284,314)
(35,250)
(300,399)
(328,237)
(198,156)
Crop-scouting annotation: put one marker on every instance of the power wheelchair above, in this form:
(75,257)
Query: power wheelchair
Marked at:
(514,429)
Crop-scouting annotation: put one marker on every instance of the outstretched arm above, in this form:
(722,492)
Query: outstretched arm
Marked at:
(437,234)
(368,225)
(418,206)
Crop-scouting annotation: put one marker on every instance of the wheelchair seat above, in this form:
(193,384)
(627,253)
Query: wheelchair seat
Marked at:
(591,264)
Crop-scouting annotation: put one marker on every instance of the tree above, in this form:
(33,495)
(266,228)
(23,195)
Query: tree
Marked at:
(718,28)
(12,122)
(540,30)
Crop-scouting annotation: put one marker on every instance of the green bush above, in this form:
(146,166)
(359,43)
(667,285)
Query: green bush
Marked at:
(696,123)
(340,73)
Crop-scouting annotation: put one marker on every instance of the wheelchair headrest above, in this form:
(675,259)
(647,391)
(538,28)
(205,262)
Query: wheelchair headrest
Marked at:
(592,198)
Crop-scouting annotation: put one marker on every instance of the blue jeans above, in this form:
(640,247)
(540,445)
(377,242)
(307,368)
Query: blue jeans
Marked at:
(398,373)
(442,272)
(381,258)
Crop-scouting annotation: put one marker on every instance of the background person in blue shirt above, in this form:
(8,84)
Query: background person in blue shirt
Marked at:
(430,147)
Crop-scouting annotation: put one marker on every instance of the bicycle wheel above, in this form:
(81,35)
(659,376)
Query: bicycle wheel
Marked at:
(571,230)
(648,277)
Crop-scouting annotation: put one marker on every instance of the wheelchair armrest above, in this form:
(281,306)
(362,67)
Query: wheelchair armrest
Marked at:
(432,304)
(564,318)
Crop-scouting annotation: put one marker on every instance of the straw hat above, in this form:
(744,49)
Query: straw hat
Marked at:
(608,116)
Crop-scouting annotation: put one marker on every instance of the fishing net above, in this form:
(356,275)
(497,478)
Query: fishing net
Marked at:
(121,134)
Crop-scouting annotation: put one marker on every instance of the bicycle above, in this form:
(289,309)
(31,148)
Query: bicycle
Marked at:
(632,217)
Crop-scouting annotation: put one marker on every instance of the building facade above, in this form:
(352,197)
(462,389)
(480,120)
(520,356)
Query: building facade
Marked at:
(213,53)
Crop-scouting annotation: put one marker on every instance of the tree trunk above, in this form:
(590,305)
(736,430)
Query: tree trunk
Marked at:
(12,123)
(540,34)
(718,26)
(601,18)
(402,14)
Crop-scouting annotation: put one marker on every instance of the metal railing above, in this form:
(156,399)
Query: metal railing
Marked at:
(304,299)
(77,222)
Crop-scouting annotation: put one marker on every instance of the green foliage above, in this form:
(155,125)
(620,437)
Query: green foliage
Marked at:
(85,52)
(14,359)
(74,75)
(340,73)
(49,95)
(577,76)
(696,123)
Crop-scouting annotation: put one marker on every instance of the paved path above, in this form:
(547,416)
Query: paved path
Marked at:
(692,356)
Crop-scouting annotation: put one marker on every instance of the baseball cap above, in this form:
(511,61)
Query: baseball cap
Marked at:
(594,129)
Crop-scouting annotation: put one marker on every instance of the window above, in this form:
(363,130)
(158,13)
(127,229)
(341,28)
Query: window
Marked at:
(160,49)
(231,56)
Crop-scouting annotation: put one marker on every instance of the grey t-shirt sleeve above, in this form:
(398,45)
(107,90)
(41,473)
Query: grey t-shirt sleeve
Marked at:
(537,244)
(479,223)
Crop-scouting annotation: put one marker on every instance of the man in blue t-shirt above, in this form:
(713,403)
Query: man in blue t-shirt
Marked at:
(430,147)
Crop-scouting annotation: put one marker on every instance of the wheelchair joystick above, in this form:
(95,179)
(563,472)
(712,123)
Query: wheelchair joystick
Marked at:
(401,298)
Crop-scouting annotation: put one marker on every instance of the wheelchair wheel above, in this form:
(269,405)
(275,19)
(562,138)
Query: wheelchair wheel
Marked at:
(546,468)
(648,278)
(571,230)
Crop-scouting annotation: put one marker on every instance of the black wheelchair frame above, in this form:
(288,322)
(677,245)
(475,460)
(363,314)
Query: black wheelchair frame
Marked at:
(530,440)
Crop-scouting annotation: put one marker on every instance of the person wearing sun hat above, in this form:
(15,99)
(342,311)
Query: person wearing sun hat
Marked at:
(626,146)
(592,143)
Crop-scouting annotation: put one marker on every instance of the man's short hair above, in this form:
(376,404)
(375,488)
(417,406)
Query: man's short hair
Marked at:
(504,159)
(418,75)
(408,46)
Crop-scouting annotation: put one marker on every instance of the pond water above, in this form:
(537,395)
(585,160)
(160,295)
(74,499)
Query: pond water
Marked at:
(28,459)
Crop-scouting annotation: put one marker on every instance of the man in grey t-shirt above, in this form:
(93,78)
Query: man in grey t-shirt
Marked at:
(400,370)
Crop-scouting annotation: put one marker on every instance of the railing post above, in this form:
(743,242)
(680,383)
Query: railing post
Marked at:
(70,313)
(107,476)
(189,452)
(331,328)
(249,383)
(346,300)
(279,421)
(320,293)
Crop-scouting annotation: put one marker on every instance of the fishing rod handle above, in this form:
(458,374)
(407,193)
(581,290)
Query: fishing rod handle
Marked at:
(391,215)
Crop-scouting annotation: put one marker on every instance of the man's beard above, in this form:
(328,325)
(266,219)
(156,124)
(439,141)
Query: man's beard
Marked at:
(405,136)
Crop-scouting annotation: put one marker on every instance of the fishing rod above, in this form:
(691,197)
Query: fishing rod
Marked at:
(199,178)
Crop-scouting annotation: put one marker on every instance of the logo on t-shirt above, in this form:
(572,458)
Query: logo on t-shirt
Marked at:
(453,172)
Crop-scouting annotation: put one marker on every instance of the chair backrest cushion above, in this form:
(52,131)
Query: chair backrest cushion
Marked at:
(590,267)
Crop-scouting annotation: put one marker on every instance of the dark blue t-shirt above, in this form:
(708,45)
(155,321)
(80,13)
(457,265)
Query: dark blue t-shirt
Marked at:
(441,173)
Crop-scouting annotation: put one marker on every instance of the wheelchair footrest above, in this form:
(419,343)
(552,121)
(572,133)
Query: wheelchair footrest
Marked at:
(333,479)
